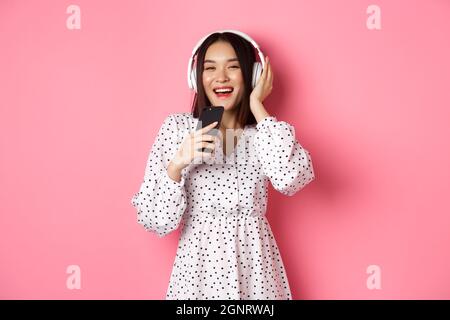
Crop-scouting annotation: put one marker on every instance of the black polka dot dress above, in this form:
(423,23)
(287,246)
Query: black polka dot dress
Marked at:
(226,248)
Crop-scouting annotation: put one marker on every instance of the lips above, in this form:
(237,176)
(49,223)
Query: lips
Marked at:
(223,92)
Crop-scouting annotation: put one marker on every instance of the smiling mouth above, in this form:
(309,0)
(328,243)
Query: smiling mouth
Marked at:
(223,92)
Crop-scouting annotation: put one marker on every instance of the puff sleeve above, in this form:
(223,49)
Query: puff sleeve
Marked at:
(161,201)
(284,161)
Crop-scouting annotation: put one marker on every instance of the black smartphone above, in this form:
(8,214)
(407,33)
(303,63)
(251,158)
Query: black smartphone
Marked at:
(209,115)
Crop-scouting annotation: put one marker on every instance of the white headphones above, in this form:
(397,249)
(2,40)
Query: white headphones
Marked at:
(257,66)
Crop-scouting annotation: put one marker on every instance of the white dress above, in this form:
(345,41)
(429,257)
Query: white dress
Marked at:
(226,248)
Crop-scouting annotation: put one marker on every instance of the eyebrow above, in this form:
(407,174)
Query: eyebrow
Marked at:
(229,60)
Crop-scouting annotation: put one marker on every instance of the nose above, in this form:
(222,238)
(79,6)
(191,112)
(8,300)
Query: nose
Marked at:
(222,75)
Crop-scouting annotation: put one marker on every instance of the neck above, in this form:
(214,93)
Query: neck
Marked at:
(229,120)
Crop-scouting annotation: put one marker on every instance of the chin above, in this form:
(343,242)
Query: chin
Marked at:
(228,104)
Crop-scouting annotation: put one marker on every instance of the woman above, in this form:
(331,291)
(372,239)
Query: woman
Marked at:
(226,248)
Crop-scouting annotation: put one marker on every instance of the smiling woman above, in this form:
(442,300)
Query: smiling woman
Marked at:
(225,61)
(222,77)
(226,248)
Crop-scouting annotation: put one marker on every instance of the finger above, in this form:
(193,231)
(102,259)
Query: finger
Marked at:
(208,154)
(267,68)
(270,74)
(260,79)
(207,137)
(264,73)
(200,154)
(204,138)
(266,61)
(206,129)
(205,145)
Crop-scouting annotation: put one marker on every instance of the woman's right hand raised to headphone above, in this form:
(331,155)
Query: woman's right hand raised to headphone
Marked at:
(191,147)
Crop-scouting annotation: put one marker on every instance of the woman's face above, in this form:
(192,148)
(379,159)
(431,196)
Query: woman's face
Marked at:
(222,70)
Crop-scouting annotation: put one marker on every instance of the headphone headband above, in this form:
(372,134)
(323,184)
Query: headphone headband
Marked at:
(199,43)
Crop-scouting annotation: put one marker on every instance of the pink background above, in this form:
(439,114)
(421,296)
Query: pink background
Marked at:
(79,110)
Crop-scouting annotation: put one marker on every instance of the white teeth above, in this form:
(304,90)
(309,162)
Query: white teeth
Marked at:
(223,90)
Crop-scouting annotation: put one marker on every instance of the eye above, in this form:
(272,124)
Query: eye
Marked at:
(208,68)
(235,67)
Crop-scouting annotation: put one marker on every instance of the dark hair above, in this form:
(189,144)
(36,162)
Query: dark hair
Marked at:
(246,55)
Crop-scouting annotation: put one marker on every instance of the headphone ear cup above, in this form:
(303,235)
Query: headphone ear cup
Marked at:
(194,79)
(257,71)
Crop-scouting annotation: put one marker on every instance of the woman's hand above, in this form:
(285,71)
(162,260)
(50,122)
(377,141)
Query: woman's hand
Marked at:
(264,86)
(192,144)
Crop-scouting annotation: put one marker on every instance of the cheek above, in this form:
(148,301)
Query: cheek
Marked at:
(237,79)
(206,80)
